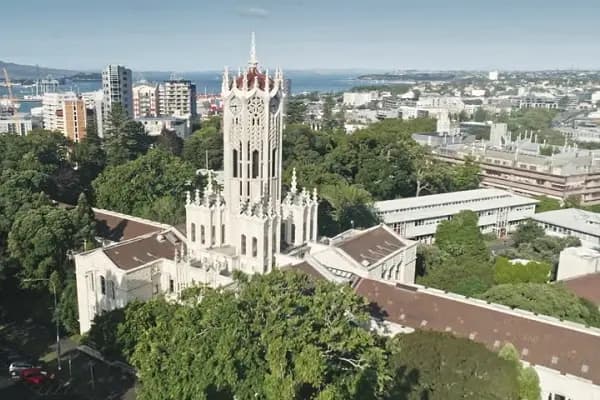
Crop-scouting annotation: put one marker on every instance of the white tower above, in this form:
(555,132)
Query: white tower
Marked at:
(243,223)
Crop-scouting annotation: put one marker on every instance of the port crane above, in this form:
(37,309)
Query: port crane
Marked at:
(12,104)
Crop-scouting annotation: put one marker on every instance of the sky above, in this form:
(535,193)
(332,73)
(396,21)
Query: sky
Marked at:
(201,35)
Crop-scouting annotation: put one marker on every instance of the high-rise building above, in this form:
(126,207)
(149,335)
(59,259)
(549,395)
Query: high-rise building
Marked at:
(75,116)
(117,88)
(178,98)
(53,110)
(146,101)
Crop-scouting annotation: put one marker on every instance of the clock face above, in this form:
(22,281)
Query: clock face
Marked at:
(274,106)
(235,105)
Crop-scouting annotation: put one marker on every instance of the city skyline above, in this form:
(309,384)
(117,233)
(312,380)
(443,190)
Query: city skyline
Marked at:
(304,34)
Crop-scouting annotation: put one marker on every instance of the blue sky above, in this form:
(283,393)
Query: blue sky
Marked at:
(186,35)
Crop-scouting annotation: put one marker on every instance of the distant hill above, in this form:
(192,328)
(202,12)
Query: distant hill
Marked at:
(32,72)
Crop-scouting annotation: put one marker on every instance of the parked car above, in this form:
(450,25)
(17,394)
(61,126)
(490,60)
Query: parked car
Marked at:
(15,368)
(34,376)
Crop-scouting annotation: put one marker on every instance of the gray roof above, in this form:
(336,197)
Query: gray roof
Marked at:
(448,204)
(572,218)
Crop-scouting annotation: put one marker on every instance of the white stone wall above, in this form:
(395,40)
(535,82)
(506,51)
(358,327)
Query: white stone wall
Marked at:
(577,261)
(553,383)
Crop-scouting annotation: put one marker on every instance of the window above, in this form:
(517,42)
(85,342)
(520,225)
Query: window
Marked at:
(102,285)
(202,235)
(274,162)
(111,289)
(254,247)
(193,233)
(255,164)
(243,245)
(223,234)
(235,163)
(213,235)
(155,289)
(171,285)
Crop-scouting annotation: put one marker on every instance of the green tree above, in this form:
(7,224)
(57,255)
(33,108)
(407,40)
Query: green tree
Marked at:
(553,300)
(40,239)
(89,156)
(460,236)
(296,111)
(531,272)
(466,176)
(347,206)
(68,312)
(169,141)
(205,145)
(85,222)
(481,115)
(460,276)
(139,186)
(529,381)
(439,366)
(280,336)
(547,204)
(125,139)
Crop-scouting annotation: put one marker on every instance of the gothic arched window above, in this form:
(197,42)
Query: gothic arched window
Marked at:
(255,164)
(193,232)
(274,162)
(243,245)
(254,247)
(202,234)
(235,163)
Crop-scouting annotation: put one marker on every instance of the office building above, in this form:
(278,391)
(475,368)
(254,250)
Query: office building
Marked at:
(582,224)
(146,101)
(117,88)
(177,98)
(418,217)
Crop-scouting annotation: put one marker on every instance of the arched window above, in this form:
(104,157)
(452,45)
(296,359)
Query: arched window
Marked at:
(193,232)
(243,245)
(235,163)
(102,285)
(254,247)
(255,164)
(202,234)
(293,238)
(223,234)
(213,235)
(274,162)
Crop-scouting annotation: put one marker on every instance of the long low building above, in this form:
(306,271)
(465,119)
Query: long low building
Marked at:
(584,225)
(565,355)
(417,218)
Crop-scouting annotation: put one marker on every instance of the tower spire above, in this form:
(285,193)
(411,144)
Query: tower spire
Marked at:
(253,62)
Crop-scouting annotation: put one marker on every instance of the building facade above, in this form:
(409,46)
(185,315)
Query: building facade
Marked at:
(75,116)
(177,98)
(248,226)
(18,124)
(417,218)
(117,89)
(53,104)
(582,224)
(146,101)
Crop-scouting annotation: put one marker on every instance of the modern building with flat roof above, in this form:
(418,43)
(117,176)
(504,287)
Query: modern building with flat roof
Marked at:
(417,218)
(584,225)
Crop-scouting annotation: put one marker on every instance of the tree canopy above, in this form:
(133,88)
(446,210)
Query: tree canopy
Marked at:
(553,300)
(438,366)
(205,145)
(152,186)
(506,271)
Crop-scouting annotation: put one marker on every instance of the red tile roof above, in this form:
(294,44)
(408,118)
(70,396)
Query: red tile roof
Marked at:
(117,227)
(251,75)
(586,286)
(371,246)
(138,252)
(561,348)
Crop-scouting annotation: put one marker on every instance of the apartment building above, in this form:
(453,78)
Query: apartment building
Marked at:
(53,110)
(146,101)
(75,116)
(18,124)
(177,98)
(117,88)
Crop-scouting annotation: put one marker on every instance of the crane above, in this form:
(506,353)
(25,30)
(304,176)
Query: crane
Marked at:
(12,104)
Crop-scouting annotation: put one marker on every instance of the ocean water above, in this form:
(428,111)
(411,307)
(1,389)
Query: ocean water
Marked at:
(210,82)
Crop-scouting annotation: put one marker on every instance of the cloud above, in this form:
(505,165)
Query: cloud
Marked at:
(254,12)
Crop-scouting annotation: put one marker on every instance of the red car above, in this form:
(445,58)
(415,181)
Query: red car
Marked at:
(35,376)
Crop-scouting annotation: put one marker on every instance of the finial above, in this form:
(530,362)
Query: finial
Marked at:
(294,188)
(188,197)
(315,197)
(253,62)
(209,185)
(197,197)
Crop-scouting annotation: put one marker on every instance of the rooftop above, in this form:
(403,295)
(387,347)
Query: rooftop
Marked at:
(370,246)
(572,218)
(118,227)
(454,198)
(586,286)
(143,250)
(553,344)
